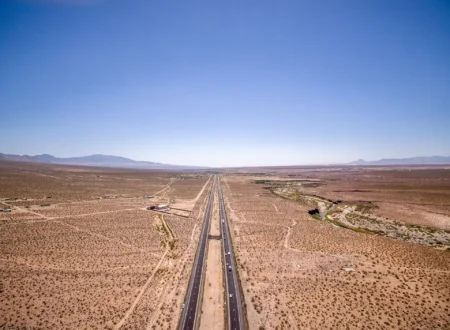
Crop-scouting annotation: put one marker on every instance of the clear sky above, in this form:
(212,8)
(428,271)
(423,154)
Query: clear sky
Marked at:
(226,83)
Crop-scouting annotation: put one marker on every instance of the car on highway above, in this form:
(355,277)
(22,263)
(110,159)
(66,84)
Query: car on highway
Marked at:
(231,295)
(229,268)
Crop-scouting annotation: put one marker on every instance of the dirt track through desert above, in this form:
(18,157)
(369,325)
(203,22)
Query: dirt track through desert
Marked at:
(141,293)
(107,238)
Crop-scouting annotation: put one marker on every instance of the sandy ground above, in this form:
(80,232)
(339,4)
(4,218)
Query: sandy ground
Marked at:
(161,308)
(213,311)
(189,204)
(177,206)
(301,273)
(95,258)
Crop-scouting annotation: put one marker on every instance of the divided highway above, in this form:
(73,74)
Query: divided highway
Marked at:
(235,312)
(192,302)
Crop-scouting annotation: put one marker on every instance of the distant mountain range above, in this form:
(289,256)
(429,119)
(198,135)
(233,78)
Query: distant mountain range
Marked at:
(96,160)
(122,162)
(433,160)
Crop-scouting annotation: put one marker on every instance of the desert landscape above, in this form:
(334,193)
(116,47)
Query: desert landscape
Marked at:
(207,165)
(316,248)
(344,248)
(80,249)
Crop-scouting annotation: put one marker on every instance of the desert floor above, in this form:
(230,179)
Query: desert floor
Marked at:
(80,250)
(317,248)
(308,271)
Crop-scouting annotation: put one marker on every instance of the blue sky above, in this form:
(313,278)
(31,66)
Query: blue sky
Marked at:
(226,83)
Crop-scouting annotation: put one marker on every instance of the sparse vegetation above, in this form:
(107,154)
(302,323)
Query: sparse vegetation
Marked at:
(359,218)
(296,270)
(86,258)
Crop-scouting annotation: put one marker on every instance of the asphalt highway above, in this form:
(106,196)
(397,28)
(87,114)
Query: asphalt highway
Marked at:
(235,317)
(189,314)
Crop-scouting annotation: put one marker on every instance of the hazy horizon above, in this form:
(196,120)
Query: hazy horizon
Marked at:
(255,165)
(225,84)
